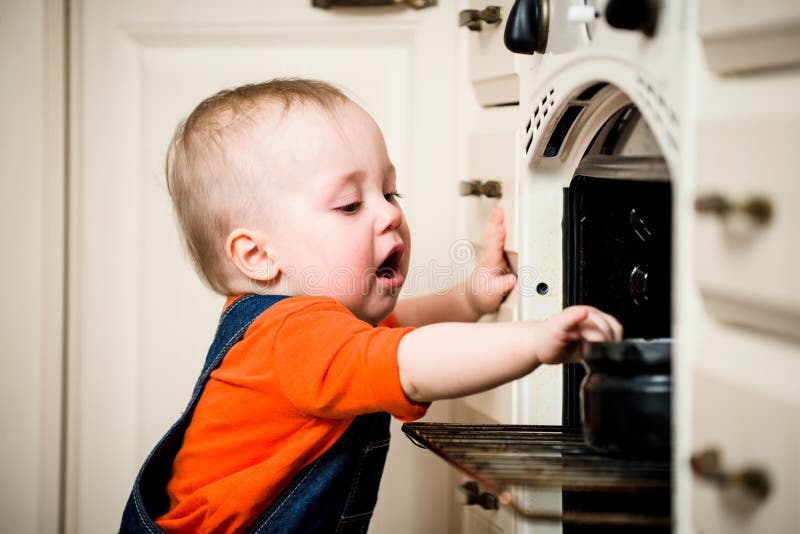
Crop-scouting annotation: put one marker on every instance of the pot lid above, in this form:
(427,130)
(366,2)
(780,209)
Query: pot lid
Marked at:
(655,351)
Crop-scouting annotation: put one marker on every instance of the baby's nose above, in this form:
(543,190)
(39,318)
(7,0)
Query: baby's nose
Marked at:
(389,217)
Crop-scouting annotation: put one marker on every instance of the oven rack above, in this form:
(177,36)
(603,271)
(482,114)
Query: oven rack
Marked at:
(508,460)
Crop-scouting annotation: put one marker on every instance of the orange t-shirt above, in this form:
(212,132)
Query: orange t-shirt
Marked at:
(283,395)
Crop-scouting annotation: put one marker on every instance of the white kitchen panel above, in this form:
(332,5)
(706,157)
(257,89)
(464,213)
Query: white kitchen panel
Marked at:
(746,406)
(492,156)
(479,521)
(749,36)
(747,145)
(491,67)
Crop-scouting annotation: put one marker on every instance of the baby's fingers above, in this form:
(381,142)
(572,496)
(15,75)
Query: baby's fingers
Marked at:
(616,326)
(609,325)
(598,327)
(569,322)
(493,240)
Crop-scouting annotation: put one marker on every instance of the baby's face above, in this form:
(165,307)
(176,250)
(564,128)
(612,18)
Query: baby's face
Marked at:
(338,230)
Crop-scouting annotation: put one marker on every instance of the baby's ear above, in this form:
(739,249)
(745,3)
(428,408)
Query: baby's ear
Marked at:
(247,249)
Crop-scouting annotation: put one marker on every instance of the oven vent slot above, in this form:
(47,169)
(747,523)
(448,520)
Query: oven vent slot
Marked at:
(561,130)
(590,91)
(544,106)
(664,117)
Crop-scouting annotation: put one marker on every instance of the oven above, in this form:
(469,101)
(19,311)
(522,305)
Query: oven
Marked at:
(600,175)
(595,150)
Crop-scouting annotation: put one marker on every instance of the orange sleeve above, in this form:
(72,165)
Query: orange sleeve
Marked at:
(331,364)
(390,322)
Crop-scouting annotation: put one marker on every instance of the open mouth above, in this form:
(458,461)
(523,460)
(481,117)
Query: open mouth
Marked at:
(391,264)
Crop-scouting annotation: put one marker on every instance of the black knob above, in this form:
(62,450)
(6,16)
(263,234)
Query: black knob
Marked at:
(639,282)
(526,26)
(640,15)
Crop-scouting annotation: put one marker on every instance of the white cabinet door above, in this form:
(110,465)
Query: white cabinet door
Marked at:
(749,36)
(747,143)
(140,320)
(739,324)
(746,408)
(491,165)
(491,68)
(492,157)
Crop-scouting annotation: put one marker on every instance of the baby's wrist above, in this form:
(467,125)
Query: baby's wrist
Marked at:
(469,302)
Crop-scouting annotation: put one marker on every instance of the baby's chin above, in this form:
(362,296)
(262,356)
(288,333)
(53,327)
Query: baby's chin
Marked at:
(378,313)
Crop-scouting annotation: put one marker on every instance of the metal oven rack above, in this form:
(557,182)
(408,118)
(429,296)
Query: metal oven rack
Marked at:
(505,458)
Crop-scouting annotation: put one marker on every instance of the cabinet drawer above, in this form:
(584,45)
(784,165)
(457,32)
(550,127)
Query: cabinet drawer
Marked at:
(747,145)
(492,156)
(491,66)
(740,36)
(746,407)
(478,521)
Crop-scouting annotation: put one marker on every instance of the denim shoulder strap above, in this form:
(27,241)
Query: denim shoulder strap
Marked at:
(235,321)
(148,499)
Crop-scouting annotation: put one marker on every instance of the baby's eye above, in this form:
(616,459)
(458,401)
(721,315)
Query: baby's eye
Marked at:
(350,208)
(391,197)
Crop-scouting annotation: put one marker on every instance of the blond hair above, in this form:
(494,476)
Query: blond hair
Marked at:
(212,189)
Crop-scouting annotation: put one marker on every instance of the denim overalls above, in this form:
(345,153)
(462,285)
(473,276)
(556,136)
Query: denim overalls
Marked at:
(335,493)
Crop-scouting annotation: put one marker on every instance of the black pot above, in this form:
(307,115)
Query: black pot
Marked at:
(626,397)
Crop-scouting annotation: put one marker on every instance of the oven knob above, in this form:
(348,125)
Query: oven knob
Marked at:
(638,287)
(526,26)
(641,15)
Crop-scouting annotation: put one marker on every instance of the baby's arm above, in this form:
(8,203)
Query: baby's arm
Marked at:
(451,360)
(481,294)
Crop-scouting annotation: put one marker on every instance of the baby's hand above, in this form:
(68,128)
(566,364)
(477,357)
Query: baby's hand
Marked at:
(491,281)
(562,337)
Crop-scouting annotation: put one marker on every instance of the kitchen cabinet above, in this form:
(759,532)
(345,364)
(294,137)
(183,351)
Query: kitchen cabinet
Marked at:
(491,68)
(491,180)
(747,218)
(746,409)
(488,178)
(740,308)
(749,36)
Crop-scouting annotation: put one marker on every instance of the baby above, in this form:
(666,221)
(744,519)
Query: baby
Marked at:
(287,200)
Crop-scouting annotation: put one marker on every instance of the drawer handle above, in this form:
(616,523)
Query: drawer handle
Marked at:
(749,486)
(472,18)
(475,496)
(489,188)
(758,209)
(327,4)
